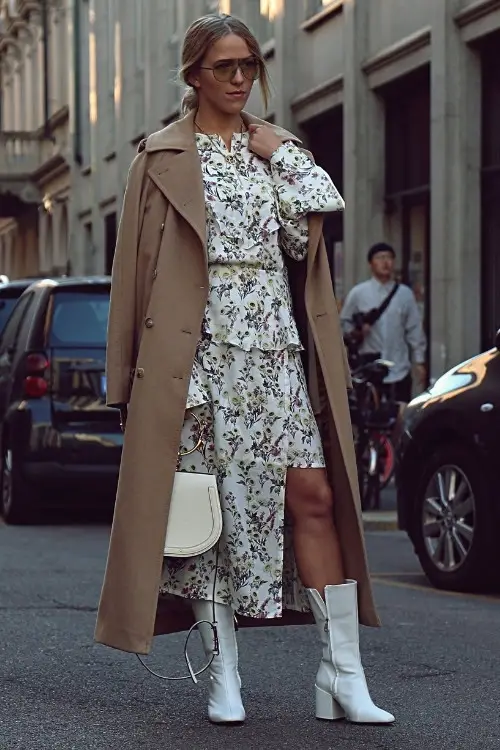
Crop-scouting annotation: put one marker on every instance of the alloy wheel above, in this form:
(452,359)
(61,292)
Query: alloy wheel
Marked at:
(448,516)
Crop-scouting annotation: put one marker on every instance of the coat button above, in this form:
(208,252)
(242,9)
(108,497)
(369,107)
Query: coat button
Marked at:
(140,372)
(149,323)
(162,227)
(155,273)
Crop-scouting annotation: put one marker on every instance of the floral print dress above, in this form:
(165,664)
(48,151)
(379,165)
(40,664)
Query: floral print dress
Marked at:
(248,384)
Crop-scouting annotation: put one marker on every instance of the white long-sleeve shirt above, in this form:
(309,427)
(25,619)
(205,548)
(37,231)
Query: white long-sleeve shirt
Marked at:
(398,330)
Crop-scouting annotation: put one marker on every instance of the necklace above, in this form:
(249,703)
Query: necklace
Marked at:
(229,155)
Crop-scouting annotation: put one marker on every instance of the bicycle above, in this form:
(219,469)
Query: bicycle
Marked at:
(374,419)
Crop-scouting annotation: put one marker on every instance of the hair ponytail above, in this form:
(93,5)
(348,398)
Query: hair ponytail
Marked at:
(189,100)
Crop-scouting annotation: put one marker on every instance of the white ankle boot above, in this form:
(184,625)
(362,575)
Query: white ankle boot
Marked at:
(341,689)
(224,701)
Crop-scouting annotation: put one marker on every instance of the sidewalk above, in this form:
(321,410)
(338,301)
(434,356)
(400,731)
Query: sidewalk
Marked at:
(384,519)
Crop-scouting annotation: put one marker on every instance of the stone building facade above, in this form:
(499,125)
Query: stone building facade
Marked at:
(398,99)
(35,142)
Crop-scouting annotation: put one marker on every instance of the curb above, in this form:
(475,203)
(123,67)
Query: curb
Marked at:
(380,520)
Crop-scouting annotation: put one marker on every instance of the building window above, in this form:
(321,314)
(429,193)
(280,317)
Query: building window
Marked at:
(407,180)
(490,191)
(110,239)
(407,108)
(110,56)
(83,78)
(260,16)
(88,248)
(139,31)
(325,138)
(268,11)
(111,76)
(315,6)
(217,6)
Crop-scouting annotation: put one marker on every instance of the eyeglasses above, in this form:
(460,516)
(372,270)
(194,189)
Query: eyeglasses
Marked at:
(225,70)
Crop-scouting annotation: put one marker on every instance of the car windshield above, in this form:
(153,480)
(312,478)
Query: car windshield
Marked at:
(80,318)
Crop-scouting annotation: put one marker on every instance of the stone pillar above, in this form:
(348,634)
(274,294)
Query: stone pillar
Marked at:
(9,252)
(56,234)
(29,95)
(287,29)
(35,70)
(364,167)
(39,68)
(43,260)
(61,50)
(455,193)
(7,113)
(24,38)
(17,250)
(18,99)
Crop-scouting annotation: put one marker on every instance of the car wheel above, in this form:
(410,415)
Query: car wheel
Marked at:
(453,532)
(18,501)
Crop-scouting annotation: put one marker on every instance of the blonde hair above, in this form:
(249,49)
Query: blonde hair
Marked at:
(199,38)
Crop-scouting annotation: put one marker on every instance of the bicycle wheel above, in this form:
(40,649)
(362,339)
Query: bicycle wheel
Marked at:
(369,476)
(387,459)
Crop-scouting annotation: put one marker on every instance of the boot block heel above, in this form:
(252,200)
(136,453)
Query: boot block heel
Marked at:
(327,707)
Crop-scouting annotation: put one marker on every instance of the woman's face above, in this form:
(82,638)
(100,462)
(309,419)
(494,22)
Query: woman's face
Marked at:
(226,75)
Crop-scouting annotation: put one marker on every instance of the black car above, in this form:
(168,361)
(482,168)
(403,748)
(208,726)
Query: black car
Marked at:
(9,294)
(448,498)
(58,440)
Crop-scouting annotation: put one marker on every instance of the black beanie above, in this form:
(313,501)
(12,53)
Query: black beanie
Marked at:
(380,247)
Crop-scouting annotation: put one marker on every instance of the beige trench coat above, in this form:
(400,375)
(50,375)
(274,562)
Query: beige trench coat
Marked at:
(158,298)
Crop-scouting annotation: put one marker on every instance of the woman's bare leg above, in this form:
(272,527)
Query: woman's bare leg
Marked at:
(309,502)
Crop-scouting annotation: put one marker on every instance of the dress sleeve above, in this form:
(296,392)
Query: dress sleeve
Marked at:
(302,188)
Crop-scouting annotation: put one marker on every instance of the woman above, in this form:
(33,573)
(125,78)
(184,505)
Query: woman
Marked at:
(202,326)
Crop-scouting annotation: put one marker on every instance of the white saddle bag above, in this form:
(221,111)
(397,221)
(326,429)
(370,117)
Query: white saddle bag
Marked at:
(195,517)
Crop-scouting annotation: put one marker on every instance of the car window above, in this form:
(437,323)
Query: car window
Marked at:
(11,330)
(79,318)
(7,304)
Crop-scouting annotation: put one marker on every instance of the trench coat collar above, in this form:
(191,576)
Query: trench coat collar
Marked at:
(177,171)
(180,135)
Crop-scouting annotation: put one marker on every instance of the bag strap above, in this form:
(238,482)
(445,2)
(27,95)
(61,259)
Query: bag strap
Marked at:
(385,304)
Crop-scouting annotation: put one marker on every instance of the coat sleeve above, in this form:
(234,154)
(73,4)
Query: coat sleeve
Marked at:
(120,352)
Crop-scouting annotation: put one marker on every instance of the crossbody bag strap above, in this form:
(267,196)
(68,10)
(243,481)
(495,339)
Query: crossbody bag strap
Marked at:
(385,304)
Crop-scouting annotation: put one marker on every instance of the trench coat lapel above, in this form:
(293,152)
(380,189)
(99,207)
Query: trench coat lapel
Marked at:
(180,180)
(177,172)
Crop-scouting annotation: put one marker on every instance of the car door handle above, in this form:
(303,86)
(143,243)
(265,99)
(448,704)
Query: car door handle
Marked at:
(485,408)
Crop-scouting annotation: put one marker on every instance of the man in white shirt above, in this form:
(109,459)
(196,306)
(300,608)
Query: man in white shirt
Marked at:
(398,329)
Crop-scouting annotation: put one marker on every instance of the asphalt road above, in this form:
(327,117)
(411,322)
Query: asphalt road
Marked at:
(435,664)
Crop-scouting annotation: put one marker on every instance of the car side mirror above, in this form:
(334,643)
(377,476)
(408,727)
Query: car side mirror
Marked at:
(497,340)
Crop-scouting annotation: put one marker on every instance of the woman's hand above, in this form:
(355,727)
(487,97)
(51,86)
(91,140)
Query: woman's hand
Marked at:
(263,141)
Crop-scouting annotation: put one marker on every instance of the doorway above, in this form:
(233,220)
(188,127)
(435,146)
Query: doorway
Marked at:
(407,182)
(324,136)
